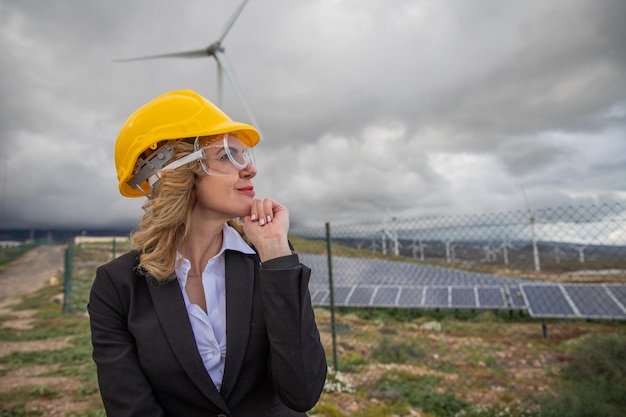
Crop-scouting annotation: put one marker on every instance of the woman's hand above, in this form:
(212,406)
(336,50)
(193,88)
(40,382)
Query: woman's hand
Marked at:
(266,227)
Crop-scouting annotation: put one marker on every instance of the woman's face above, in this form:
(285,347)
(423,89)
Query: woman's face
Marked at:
(223,197)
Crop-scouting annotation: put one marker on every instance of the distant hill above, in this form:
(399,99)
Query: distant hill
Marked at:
(57,235)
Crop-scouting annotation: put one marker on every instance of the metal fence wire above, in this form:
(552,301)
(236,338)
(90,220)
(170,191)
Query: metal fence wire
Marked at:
(565,262)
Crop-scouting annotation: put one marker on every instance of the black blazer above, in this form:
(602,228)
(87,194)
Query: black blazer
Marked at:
(148,363)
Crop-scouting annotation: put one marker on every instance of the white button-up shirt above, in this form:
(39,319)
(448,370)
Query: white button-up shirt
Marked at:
(209,329)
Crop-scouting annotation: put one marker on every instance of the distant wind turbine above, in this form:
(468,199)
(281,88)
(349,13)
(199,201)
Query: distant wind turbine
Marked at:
(388,231)
(581,252)
(417,245)
(216,50)
(491,254)
(450,252)
(557,254)
(505,246)
(531,221)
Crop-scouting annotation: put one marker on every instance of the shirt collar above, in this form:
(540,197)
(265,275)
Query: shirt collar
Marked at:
(234,241)
(231,240)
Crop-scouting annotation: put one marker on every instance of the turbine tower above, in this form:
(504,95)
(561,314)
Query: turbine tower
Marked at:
(215,50)
(505,246)
(416,246)
(531,221)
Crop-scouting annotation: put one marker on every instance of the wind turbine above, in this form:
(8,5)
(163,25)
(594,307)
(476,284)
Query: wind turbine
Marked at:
(505,246)
(531,221)
(491,254)
(450,252)
(374,245)
(557,254)
(581,252)
(215,50)
(390,232)
(417,245)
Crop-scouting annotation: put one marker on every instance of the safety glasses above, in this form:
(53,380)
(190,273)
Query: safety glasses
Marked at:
(221,157)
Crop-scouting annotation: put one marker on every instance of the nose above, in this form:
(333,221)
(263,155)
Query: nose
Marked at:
(248,172)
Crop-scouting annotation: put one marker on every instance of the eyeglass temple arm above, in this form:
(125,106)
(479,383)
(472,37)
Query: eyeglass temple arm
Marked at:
(194,156)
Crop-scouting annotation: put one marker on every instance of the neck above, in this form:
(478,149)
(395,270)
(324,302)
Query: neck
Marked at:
(204,242)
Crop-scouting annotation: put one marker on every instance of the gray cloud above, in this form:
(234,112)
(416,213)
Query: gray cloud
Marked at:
(414,107)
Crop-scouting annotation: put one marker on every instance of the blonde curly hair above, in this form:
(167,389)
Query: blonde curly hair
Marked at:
(165,225)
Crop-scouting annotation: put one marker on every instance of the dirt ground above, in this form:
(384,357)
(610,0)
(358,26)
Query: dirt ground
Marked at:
(44,265)
(37,268)
(31,272)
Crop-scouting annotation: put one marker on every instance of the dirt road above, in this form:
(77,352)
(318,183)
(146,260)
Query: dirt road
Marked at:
(32,271)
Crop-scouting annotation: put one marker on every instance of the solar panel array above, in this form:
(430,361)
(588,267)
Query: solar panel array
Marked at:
(379,283)
(603,301)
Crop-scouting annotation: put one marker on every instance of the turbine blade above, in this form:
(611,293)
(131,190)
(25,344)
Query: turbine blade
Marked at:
(220,83)
(231,22)
(223,61)
(198,53)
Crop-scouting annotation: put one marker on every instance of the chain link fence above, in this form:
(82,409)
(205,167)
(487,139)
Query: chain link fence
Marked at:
(565,262)
(382,291)
(493,260)
(574,244)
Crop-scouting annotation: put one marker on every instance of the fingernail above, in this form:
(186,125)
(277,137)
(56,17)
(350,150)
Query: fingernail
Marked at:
(261,222)
(253,217)
(269,219)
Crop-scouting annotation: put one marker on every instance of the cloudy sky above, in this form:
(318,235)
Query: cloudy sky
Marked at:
(411,107)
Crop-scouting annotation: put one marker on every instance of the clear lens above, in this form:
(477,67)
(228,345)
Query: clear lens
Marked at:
(226,156)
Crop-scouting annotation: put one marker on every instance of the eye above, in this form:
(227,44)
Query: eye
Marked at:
(220,155)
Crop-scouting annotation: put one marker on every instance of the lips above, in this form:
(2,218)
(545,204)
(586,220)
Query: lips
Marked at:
(247,190)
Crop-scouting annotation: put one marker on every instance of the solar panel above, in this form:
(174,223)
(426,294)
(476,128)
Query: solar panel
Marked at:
(361,296)
(462,297)
(490,297)
(379,283)
(386,296)
(320,297)
(353,271)
(594,301)
(514,296)
(618,293)
(411,297)
(342,294)
(547,300)
(436,297)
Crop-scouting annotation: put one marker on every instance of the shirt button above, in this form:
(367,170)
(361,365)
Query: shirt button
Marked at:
(214,312)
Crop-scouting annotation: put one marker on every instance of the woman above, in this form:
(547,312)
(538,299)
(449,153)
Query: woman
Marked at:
(210,314)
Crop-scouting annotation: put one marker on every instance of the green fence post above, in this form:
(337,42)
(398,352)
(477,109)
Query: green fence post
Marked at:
(114,247)
(67,283)
(332,296)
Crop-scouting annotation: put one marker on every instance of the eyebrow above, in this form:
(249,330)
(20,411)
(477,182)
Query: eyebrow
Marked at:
(222,149)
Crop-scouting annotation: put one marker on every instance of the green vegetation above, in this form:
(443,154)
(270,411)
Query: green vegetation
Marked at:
(419,391)
(392,362)
(594,380)
(397,350)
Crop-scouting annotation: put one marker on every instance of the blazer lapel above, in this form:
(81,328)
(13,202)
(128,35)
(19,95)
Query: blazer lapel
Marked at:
(170,308)
(239,292)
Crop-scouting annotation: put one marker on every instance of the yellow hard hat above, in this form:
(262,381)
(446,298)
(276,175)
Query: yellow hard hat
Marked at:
(174,115)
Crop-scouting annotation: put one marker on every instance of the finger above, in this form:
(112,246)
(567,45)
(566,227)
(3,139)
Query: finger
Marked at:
(254,212)
(268,209)
(261,209)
